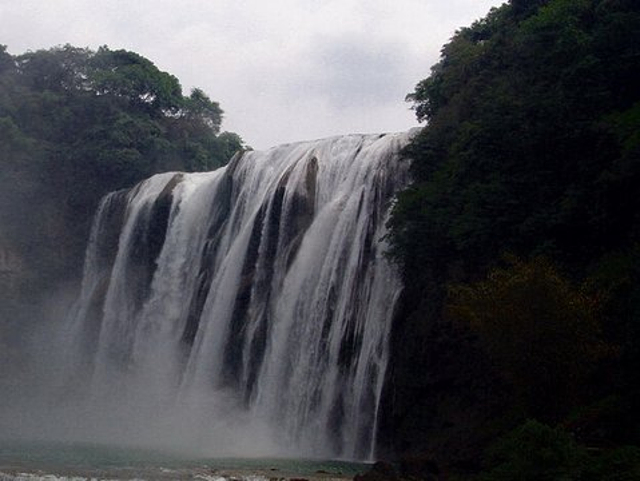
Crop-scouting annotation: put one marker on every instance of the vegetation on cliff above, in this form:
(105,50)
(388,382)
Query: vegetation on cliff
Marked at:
(74,125)
(520,236)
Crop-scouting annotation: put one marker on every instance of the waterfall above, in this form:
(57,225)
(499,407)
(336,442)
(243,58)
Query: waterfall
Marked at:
(245,310)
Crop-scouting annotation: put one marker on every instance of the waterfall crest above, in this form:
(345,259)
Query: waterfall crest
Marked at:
(245,310)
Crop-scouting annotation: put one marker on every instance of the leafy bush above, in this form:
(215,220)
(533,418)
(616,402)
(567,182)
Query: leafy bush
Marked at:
(542,331)
(76,124)
(535,452)
(621,464)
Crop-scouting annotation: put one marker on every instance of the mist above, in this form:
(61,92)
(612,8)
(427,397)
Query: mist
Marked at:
(207,424)
(46,397)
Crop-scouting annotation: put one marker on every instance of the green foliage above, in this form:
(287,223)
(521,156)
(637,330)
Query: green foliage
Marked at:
(532,148)
(76,124)
(135,79)
(541,330)
(58,70)
(535,452)
(6,61)
(199,108)
(620,464)
(532,138)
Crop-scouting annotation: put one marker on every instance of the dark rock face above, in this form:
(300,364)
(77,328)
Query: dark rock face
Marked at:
(440,394)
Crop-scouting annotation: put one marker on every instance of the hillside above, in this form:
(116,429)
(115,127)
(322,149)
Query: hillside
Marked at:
(519,238)
(74,125)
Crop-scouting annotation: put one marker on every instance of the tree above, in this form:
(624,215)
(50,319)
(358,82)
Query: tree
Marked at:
(76,124)
(542,331)
(199,109)
(532,147)
(58,69)
(6,61)
(535,452)
(137,80)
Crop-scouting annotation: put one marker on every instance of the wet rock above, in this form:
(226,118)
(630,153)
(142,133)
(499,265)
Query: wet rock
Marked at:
(419,468)
(380,471)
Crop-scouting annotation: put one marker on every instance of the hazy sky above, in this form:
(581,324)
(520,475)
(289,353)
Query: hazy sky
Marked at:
(282,70)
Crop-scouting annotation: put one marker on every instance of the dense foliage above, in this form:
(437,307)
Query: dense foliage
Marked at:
(541,330)
(74,125)
(537,452)
(532,149)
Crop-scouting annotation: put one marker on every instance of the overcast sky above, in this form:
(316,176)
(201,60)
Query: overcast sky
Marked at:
(282,70)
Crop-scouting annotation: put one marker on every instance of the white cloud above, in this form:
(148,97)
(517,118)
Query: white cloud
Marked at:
(283,70)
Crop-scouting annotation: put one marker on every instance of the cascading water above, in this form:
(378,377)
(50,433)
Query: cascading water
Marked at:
(245,310)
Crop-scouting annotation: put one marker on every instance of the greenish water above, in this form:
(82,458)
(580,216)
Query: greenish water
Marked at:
(20,461)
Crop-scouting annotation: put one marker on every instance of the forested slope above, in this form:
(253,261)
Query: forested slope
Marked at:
(74,125)
(519,238)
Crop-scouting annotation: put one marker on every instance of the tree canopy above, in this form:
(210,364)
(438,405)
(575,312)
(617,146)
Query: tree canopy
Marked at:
(532,139)
(531,148)
(76,124)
